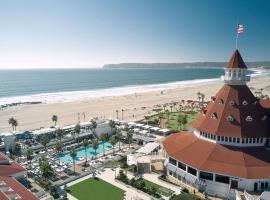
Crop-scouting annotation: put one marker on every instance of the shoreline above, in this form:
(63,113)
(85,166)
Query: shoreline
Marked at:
(135,105)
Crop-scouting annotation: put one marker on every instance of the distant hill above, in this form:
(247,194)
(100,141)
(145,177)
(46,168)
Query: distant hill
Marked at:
(261,64)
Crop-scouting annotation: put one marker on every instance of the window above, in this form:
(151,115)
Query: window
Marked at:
(249,119)
(222,179)
(230,118)
(244,103)
(218,138)
(222,138)
(220,101)
(182,166)
(170,173)
(226,139)
(261,140)
(214,115)
(264,117)
(238,140)
(230,139)
(253,140)
(232,103)
(192,171)
(214,137)
(172,161)
(258,140)
(206,175)
(234,140)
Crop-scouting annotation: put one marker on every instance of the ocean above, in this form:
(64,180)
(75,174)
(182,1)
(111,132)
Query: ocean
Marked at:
(60,85)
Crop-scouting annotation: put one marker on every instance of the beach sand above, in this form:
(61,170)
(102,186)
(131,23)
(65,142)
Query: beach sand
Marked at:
(135,106)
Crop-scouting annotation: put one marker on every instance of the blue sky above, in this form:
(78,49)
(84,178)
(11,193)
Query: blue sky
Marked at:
(90,33)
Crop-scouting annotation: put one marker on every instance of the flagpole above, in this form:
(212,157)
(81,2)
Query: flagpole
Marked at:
(236,41)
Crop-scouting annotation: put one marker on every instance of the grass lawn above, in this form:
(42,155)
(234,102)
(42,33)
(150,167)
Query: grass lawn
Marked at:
(186,196)
(172,123)
(161,190)
(95,189)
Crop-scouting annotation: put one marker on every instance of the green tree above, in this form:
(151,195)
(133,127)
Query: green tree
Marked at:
(103,138)
(93,126)
(181,120)
(58,148)
(45,167)
(73,154)
(112,125)
(30,156)
(129,137)
(17,149)
(44,141)
(95,145)
(59,134)
(119,134)
(54,119)
(13,122)
(77,130)
(85,145)
(113,141)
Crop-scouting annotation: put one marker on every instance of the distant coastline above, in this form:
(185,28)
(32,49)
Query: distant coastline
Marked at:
(259,64)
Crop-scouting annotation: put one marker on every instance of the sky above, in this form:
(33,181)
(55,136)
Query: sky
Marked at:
(91,33)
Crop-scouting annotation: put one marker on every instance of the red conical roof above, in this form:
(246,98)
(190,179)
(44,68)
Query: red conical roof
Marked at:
(236,61)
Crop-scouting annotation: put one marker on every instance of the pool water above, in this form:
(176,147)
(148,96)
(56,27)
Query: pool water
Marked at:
(66,158)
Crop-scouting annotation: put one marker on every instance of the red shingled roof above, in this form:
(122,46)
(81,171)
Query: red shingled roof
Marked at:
(236,61)
(15,189)
(245,162)
(245,104)
(10,167)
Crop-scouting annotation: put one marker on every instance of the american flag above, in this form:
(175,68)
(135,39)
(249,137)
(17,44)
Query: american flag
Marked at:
(240,28)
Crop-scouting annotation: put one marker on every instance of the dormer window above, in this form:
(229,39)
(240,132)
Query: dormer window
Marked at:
(255,103)
(249,119)
(232,103)
(264,117)
(245,103)
(220,101)
(230,118)
(214,115)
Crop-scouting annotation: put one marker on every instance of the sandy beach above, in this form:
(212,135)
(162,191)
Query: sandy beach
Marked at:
(135,106)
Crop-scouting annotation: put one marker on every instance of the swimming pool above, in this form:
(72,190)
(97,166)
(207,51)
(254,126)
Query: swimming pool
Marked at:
(66,158)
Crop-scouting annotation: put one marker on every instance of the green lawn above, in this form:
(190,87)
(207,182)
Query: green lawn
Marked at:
(96,189)
(172,123)
(161,190)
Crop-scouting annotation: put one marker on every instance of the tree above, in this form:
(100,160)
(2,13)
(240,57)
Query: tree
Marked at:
(119,134)
(112,125)
(58,147)
(45,167)
(103,139)
(129,137)
(93,126)
(44,141)
(77,130)
(85,145)
(54,119)
(181,120)
(13,122)
(30,156)
(17,149)
(59,134)
(95,145)
(113,141)
(73,154)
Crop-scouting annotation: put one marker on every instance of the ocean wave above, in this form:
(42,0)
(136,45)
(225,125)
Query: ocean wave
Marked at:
(57,97)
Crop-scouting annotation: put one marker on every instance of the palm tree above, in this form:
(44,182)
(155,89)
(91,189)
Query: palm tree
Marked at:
(58,148)
(112,125)
(30,156)
(59,134)
(54,119)
(17,149)
(77,130)
(113,141)
(182,120)
(95,145)
(129,137)
(122,114)
(117,112)
(45,167)
(13,122)
(199,96)
(44,140)
(93,126)
(103,139)
(73,154)
(119,134)
(85,145)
